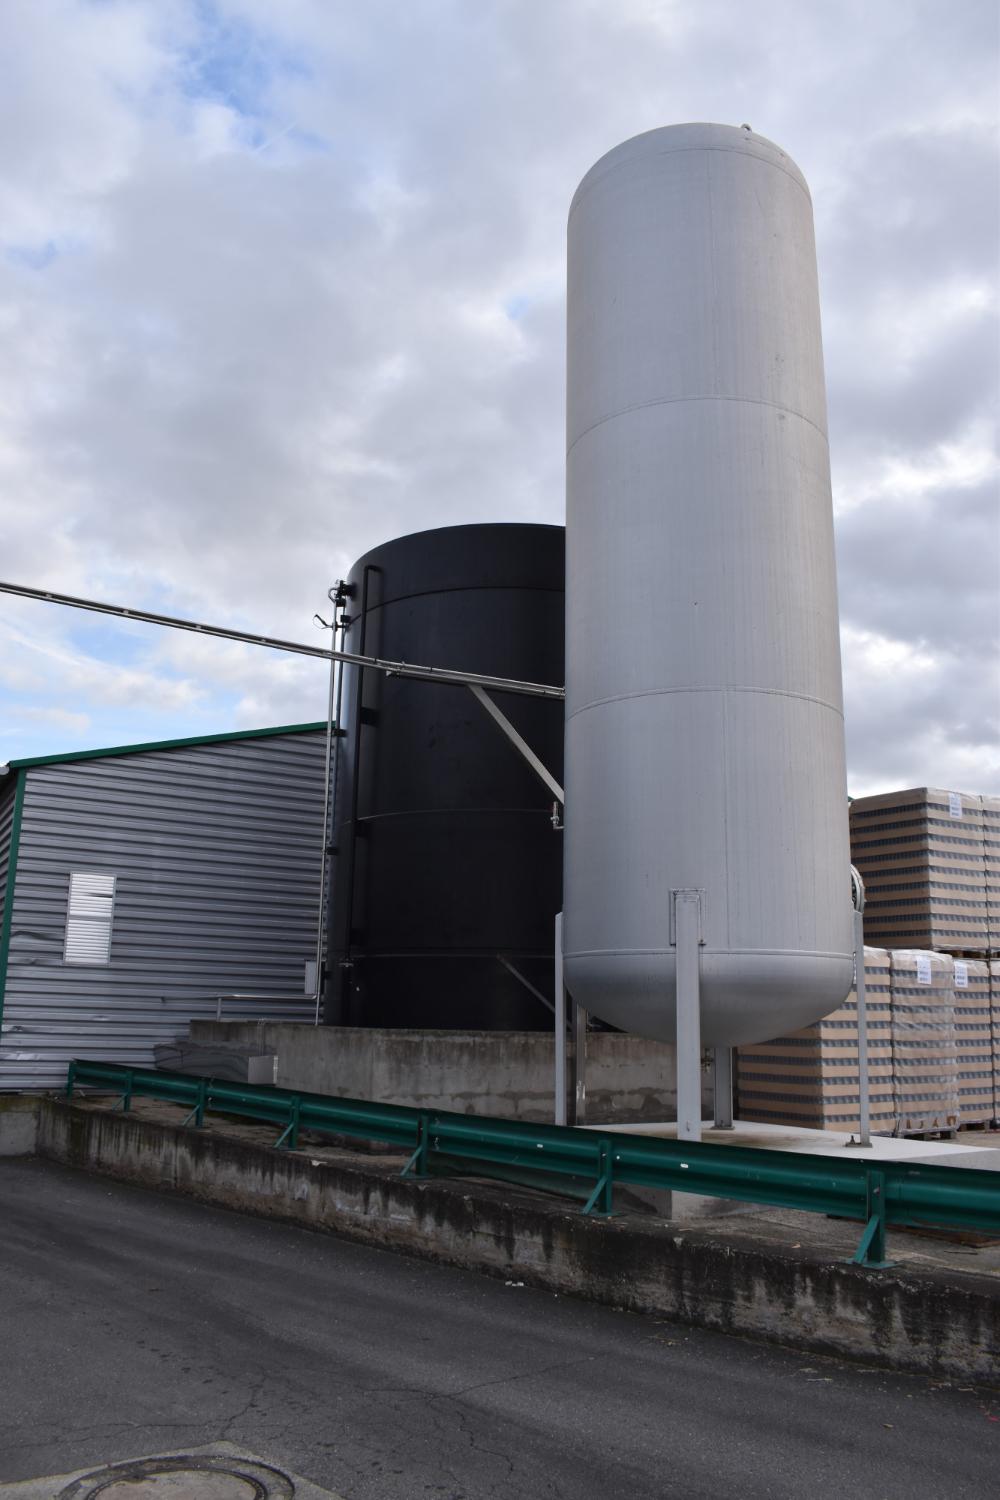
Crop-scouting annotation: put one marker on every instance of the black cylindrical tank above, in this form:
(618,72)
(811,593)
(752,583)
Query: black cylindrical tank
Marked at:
(447,873)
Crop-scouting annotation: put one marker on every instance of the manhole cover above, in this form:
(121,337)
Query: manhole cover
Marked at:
(182,1476)
(217,1471)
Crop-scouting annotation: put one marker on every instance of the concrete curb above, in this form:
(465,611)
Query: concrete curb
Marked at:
(928,1319)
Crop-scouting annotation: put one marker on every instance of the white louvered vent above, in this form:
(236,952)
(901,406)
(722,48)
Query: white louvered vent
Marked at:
(88,919)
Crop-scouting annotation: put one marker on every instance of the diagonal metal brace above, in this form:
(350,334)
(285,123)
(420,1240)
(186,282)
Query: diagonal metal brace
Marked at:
(520,744)
(531,988)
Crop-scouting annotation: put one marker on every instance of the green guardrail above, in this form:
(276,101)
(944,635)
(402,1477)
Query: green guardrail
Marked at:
(587,1163)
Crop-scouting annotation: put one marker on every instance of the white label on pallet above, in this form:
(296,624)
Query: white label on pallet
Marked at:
(923,968)
(961,975)
(955,804)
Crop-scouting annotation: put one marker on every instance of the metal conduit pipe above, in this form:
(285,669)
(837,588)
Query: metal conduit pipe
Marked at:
(274,643)
(331,823)
(347,962)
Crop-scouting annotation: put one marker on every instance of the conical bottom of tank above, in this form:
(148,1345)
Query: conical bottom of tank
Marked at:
(745,997)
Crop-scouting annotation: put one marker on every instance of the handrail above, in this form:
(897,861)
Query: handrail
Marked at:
(585,1162)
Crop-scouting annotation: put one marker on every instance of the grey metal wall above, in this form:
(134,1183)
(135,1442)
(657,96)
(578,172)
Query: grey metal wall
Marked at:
(216,852)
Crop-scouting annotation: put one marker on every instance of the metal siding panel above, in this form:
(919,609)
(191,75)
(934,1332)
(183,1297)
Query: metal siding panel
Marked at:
(216,850)
(6,830)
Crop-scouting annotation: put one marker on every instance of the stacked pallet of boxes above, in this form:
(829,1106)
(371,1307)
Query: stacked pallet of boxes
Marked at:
(974,1042)
(810,1079)
(924,1054)
(922,856)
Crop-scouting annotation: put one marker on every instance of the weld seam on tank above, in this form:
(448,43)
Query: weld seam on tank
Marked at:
(488,950)
(420,812)
(739,952)
(586,186)
(487,588)
(698,688)
(624,411)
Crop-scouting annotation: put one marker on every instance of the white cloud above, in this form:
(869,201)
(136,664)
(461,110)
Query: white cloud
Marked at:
(918,714)
(278,282)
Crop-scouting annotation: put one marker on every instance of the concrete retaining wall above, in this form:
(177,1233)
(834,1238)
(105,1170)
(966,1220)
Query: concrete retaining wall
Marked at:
(939,1322)
(505,1073)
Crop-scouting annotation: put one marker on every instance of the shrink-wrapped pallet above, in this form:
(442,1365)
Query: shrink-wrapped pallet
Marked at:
(924,1054)
(995,1029)
(811,1079)
(974,1042)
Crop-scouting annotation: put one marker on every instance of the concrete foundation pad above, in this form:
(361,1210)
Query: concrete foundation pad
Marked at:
(18,1124)
(809,1142)
(217,1471)
(510,1074)
(770,1273)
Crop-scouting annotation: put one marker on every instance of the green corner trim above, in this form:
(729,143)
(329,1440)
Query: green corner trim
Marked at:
(196,739)
(8,904)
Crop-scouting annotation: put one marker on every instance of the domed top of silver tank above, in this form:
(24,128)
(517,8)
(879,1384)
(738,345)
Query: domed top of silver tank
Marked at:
(694,137)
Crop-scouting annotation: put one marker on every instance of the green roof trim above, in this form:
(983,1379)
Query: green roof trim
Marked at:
(181,744)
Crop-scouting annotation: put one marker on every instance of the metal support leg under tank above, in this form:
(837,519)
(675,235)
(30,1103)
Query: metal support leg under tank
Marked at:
(859,989)
(560,1028)
(686,935)
(723,1087)
(577,1111)
(578,1103)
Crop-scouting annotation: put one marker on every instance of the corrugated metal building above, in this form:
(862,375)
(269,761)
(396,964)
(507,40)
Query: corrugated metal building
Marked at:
(138,884)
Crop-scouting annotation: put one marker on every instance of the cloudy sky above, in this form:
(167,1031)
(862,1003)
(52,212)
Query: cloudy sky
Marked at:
(281,281)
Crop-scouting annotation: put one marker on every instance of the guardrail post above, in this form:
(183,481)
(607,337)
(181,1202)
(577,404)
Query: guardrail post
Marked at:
(126,1100)
(419,1163)
(289,1137)
(600,1201)
(70,1080)
(871,1251)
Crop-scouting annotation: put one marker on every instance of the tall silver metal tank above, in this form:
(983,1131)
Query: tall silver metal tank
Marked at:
(704,721)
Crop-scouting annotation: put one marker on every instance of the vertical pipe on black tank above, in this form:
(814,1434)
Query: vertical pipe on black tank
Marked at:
(332,851)
(346,964)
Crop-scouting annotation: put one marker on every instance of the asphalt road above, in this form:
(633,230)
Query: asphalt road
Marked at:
(134,1323)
